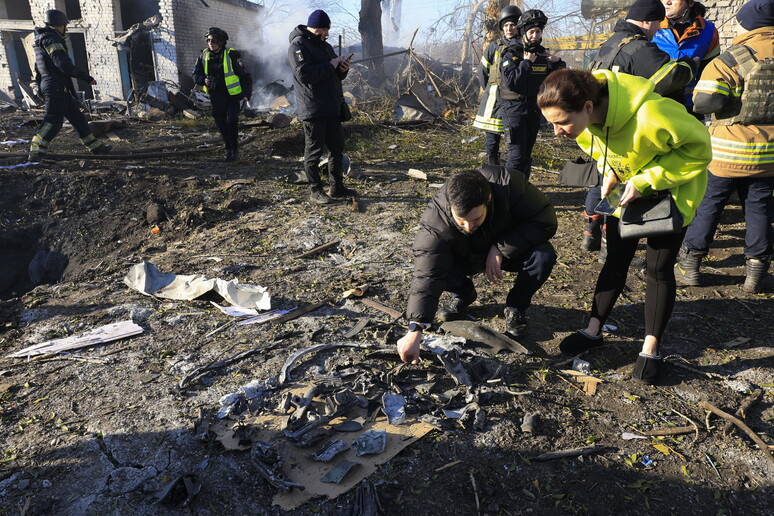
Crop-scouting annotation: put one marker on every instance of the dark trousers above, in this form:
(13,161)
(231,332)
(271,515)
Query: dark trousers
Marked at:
(225,111)
(60,104)
(492,144)
(757,204)
(320,133)
(533,268)
(660,289)
(593,196)
(521,132)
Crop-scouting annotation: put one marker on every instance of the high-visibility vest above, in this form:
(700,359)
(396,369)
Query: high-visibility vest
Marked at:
(232,79)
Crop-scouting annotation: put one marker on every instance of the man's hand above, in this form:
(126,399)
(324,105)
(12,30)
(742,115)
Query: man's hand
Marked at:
(336,61)
(494,264)
(344,66)
(408,346)
(630,194)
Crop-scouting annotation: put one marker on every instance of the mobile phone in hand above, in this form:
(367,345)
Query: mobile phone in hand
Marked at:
(609,203)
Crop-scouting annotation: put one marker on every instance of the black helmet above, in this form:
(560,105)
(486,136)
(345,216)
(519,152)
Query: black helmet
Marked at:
(533,18)
(509,12)
(220,34)
(55,18)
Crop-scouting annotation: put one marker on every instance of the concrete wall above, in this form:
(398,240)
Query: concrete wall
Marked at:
(193,18)
(177,43)
(96,24)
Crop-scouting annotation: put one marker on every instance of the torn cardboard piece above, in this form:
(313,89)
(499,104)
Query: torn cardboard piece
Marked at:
(147,279)
(306,471)
(101,335)
(589,382)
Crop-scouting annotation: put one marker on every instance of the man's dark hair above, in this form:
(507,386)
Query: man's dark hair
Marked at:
(467,190)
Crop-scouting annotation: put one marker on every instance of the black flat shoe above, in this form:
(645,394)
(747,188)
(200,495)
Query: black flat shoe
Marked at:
(647,368)
(579,342)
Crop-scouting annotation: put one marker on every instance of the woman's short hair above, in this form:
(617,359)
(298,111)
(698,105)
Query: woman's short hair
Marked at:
(569,90)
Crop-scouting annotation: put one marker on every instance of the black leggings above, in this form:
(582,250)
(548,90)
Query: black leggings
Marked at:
(661,288)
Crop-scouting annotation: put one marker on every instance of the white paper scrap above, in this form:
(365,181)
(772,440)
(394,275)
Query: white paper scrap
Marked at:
(101,335)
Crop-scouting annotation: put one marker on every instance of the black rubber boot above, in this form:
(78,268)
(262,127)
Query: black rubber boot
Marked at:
(456,309)
(592,232)
(647,368)
(756,269)
(579,342)
(687,267)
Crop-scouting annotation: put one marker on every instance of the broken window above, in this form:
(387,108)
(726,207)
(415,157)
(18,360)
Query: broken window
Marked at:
(15,10)
(72,9)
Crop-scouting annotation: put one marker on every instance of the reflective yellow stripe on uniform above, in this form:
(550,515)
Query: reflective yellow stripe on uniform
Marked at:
(53,48)
(742,152)
(663,71)
(485,63)
(712,87)
(493,125)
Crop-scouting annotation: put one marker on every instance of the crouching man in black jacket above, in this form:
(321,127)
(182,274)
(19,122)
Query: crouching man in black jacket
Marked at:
(479,221)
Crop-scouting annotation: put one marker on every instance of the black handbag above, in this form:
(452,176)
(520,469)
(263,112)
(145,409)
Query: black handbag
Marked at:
(648,216)
(345,115)
(653,215)
(581,171)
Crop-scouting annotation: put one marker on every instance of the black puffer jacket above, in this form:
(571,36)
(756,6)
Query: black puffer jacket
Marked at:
(317,82)
(643,58)
(519,217)
(52,62)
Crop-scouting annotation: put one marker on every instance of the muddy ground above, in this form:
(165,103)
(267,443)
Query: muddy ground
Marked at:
(101,431)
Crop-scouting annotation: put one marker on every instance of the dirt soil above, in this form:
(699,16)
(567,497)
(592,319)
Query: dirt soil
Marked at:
(102,430)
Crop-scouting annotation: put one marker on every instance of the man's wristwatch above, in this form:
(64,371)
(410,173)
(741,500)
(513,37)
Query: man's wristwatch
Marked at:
(415,326)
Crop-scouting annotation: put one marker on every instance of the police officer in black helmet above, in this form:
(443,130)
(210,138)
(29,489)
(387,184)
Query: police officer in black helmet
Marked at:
(488,118)
(54,71)
(526,64)
(226,80)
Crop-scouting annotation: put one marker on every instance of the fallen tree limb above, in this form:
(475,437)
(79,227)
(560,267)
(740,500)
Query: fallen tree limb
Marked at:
(199,371)
(318,249)
(675,360)
(743,408)
(382,308)
(115,156)
(677,430)
(728,417)
(692,422)
(298,312)
(574,452)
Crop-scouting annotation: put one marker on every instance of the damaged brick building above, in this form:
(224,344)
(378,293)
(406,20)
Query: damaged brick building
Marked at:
(124,44)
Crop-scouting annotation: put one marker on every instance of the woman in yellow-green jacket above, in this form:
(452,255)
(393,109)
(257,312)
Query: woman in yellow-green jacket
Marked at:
(650,143)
